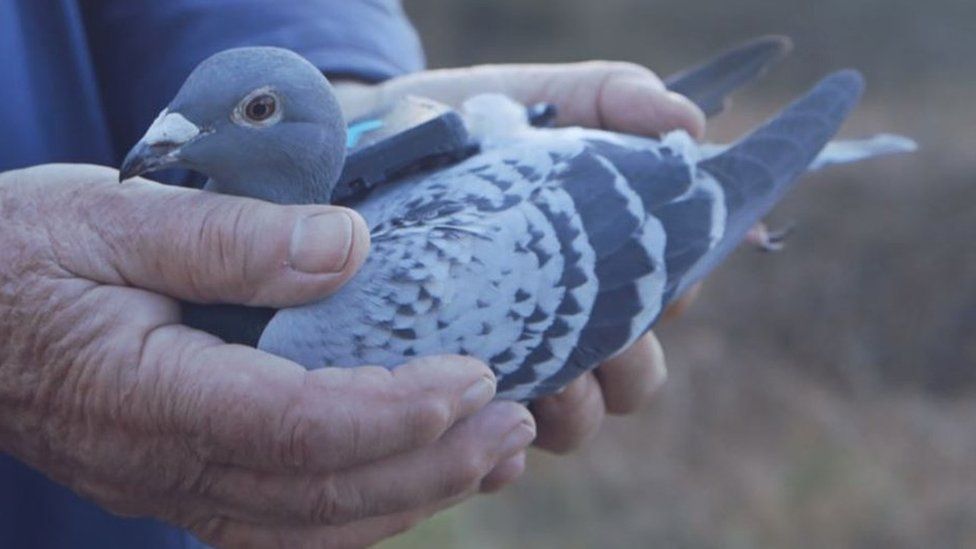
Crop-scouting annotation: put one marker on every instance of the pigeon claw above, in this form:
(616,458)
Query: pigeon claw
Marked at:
(769,241)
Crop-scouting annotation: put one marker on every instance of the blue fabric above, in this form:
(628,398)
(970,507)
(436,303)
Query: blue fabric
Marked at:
(82,79)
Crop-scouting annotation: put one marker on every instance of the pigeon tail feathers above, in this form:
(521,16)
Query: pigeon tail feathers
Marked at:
(709,84)
(758,170)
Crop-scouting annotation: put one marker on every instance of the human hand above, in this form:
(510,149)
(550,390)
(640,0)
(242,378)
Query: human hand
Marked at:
(615,96)
(103,390)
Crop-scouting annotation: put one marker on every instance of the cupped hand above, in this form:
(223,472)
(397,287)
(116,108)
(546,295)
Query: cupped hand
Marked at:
(102,388)
(615,96)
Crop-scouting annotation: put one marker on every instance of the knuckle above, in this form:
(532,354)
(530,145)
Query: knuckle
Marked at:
(222,245)
(470,468)
(332,503)
(295,447)
(196,478)
(325,503)
(429,419)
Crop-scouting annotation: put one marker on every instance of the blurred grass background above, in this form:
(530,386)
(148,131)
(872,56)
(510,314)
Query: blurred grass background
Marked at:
(823,397)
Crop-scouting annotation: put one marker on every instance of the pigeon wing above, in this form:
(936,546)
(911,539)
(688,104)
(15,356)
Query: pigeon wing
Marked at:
(553,249)
(487,258)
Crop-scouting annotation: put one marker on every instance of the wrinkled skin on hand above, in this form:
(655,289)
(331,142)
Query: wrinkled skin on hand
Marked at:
(103,390)
(615,96)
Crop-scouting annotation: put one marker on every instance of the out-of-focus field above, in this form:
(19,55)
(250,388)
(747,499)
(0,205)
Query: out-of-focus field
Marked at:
(822,397)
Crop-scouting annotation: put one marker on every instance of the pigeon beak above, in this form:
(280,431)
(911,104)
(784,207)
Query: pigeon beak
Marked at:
(160,147)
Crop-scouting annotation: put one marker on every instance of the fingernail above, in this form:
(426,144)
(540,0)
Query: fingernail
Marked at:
(321,243)
(478,395)
(692,117)
(517,439)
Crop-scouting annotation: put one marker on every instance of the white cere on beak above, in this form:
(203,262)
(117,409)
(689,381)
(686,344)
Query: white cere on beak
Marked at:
(170,127)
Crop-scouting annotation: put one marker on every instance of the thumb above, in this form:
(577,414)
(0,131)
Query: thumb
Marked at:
(201,246)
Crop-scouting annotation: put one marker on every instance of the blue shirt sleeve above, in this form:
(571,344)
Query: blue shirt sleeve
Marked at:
(143,49)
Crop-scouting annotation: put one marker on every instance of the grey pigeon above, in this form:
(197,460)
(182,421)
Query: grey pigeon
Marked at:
(545,254)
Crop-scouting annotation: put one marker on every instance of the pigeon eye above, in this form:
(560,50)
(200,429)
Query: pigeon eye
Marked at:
(261,108)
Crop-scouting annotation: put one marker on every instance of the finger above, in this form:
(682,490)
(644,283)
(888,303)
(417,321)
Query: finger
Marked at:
(238,405)
(634,106)
(628,380)
(680,305)
(504,474)
(202,246)
(570,418)
(455,465)
(223,532)
(574,87)
(617,96)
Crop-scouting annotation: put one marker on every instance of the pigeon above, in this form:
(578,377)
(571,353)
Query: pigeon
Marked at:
(544,254)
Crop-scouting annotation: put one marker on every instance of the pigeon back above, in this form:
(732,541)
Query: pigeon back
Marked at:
(552,250)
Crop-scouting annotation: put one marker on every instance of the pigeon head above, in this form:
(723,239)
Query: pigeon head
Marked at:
(259,122)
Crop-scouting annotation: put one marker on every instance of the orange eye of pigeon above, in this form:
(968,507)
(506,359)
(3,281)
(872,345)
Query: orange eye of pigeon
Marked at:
(261,108)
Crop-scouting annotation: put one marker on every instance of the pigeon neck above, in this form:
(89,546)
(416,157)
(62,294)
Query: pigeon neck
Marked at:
(313,186)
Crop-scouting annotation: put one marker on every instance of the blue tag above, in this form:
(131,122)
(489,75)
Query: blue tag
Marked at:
(356,132)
